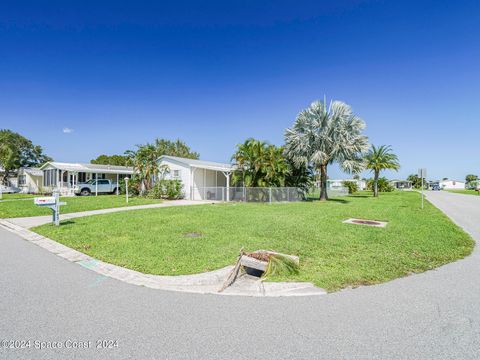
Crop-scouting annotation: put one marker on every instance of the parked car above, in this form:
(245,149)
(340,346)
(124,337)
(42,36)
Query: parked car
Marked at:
(9,189)
(104,186)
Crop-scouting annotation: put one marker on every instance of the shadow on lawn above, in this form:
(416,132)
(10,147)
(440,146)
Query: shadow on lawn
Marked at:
(342,201)
(67,222)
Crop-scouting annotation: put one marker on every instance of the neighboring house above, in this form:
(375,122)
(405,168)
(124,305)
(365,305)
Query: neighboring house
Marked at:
(201,180)
(30,180)
(65,176)
(452,184)
(401,184)
(338,184)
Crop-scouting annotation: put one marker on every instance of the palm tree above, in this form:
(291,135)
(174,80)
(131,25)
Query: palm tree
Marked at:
(259,164)
(321,136)
(145,163)
(378,159)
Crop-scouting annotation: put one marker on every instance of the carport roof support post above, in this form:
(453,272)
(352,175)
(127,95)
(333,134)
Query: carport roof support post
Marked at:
(227,176)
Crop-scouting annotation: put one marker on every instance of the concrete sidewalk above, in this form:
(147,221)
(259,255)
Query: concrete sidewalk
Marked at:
(29,222)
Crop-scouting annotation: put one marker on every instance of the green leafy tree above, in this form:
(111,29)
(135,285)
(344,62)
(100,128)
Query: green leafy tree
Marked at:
(323,135)
(175,148)
(417,181)
(119,160)
(379,159)
(259,164)
(471,181)
(17,151)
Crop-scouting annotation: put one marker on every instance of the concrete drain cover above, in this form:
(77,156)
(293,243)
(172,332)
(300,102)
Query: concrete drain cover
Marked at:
(374,223)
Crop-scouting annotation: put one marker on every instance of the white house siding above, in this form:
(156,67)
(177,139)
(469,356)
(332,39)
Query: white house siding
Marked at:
(452,185)
(30,183)
(183,172)
(197,182)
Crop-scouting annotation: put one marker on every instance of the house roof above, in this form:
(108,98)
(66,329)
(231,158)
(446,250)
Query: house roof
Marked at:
(90,168)
(457,181)
(201,164)
(33,171)
(399,180)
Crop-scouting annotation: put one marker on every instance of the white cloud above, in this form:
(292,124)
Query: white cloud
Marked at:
(67,130)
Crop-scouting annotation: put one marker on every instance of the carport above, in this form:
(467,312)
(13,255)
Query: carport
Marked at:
(63,177)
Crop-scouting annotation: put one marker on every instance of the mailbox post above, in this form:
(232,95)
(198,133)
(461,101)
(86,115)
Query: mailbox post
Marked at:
(52,202)
(126,188)
(422,173)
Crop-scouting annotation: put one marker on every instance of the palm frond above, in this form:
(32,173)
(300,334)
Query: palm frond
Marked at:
(281,265)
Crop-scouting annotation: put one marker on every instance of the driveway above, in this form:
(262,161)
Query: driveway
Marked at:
(434,315)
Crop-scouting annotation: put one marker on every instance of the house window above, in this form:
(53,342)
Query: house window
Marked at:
(82,177)
(176,174)
(22,180)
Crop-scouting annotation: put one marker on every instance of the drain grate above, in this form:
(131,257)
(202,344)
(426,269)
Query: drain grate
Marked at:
(374,223)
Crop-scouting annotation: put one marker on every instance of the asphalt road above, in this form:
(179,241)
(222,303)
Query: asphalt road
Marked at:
(434,315)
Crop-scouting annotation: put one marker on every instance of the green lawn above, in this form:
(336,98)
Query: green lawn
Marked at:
(22,208)
(333,255)
(16,196)
(465,191)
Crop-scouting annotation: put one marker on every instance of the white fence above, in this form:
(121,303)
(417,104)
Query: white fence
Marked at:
(248,194)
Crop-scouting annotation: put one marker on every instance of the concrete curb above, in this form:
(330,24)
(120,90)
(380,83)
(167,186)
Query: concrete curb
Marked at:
(204,283)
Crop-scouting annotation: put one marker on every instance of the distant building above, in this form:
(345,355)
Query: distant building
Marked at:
(452,184)
(30,180)
(401,184)
(338,184)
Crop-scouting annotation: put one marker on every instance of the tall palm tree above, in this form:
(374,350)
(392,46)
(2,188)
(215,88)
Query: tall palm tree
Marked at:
(378,159)
(323,135)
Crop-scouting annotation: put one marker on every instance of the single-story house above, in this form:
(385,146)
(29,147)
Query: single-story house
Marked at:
(202,180)
(452,184)
(30,180)
(338,184)
(65,176)
(401,184)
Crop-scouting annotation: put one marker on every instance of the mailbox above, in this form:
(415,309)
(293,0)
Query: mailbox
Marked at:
(50,200)
(53,203)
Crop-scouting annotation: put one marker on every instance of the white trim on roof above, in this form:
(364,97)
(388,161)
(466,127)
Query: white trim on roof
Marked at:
(89,168)
(200,164)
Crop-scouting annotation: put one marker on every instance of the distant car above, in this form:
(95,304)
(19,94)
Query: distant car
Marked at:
(436,188)
(104,186)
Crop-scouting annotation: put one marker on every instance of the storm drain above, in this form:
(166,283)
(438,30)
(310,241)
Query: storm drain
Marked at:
(374,223)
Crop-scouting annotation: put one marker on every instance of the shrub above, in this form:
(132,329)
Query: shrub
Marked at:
(166,189)
(133,186)
(383,185)
(352,186)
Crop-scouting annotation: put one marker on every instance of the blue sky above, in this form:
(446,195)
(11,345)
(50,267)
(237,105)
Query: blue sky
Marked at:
(214,73)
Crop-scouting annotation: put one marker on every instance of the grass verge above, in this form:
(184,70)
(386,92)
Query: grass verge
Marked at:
(465,191)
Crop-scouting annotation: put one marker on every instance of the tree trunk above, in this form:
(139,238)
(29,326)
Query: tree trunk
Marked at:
(375,184)
(323,183)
